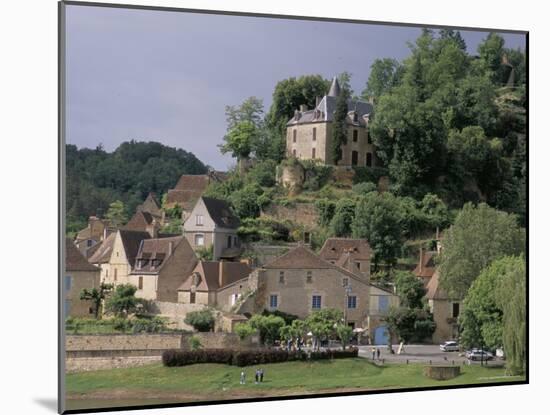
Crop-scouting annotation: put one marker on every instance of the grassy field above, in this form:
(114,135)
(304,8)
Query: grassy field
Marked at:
(216,381)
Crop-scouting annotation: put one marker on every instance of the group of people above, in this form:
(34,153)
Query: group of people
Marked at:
(259,376)
(375,352)
(294,344)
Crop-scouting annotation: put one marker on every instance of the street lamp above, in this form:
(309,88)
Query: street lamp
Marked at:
(346,303)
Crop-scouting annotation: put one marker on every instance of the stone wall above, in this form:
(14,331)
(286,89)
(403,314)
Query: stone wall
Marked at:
(174,312)
(301,213)
(84,364)
(83,342)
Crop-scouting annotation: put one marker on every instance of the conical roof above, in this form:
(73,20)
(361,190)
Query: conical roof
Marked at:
(334,90)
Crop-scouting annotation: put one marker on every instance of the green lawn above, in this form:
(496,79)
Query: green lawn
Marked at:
(217,381)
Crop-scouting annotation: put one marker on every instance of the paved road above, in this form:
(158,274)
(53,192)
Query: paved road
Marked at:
(419,354)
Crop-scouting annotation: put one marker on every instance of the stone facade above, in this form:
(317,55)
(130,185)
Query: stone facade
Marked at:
(76,281)
(304,214)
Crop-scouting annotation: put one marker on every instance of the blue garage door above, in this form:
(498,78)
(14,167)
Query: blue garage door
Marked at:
(381,335)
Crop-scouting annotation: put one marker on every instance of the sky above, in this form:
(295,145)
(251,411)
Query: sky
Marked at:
(167,76)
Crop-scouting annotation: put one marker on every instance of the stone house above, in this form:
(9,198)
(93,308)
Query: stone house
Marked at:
(213,224)
(152,206)
(309,132)
(351,254)
(96,231)
(208,278)
(160,267)
(300,282)
(144,222)
(102,256)
(119,256)
(79,274)
(445,311)
(380,302)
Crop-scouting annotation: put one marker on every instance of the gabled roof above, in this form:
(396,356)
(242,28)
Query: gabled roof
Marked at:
(155,253)
(426,266)
(434,290)
(102,253)
(131,241)
(139,221)
(221,213)
(334,249)
(74,260)
(197,182)
(151,205)
(299,257)
(209,278)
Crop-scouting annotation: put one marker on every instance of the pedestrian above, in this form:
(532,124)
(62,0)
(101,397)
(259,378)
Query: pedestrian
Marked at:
(378,353)
(373,350)
(243,378)
(261,375)
(257,376)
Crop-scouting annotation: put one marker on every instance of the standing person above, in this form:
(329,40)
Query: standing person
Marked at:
(378,353)
(261,375)
(373,350)
(243,378)
(257,376)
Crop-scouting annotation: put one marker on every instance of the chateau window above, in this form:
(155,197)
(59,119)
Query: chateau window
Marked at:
(354,158)
(312,153)
(199,239)
(309,277)
(456,310)
(229,241)
(140,283)
(293,136)
(314,134)
(369,139)
(281,277)
(316,302)
(345,282)
(273,301)
(352,301)
(369,159)
(235,241)
(199,220)
(355,136)
(192,298)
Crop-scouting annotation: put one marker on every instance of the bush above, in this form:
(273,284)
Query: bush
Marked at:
(172,358)
(194,343)
(200,320)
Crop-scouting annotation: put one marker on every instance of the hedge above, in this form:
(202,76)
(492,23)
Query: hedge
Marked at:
(241,358)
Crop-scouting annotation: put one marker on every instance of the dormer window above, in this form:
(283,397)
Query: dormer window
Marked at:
(345,282)
(199,220)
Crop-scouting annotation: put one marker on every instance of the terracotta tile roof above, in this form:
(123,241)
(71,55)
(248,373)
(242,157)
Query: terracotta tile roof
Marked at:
(426,266)
(74,260)
(153,254)
(221,213)
(185,198)
(434,290)
(334,248)
(131,241)
(210,278)
(139,221)
(197,182)
(102,253)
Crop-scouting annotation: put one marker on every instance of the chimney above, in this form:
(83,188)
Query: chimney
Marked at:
(221,274)
(303,108)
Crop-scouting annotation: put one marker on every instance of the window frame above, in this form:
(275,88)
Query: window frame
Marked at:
(273,299)
(198,235)
(316,305)
(199,220)
(352,302)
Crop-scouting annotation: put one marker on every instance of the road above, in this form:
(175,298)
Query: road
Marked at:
(420,354)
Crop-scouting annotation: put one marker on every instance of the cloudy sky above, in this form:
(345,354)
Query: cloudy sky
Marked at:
(167,76)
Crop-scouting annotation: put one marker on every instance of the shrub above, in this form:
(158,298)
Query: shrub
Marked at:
(244,331)
(194,343)
(173,357)
(200,320)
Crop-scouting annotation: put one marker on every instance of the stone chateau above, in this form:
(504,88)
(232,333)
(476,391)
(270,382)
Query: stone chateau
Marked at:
(309,132)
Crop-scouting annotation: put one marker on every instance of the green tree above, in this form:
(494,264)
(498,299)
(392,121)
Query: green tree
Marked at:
(245,201)
(122,300)
(244,331)
(344,333)
(117,213)
(268,327)
(239,140)
(325,208)
(322,323)
(410,289)
(344,213)
(478,236)
(377,220)
(384,75)
(202,320)
(410,324)
(511,297)
(339,126)
(96,296)
(251,110)
(194,343)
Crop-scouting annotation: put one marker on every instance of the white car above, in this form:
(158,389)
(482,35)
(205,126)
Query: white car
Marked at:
(449,346)
(478,354)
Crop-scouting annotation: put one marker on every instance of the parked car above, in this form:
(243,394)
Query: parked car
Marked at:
(478,354)
(449,346)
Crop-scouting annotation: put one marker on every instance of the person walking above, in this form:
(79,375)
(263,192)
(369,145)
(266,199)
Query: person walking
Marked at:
(257,376)
(373,350)
(261,375)
(243,378)
(377,353)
